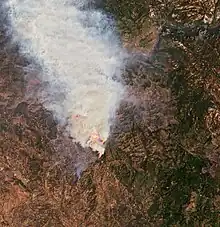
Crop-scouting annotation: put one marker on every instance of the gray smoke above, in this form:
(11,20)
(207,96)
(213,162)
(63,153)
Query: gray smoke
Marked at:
(79,54)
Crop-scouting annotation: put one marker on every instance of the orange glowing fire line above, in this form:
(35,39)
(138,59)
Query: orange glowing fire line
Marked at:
(95,137)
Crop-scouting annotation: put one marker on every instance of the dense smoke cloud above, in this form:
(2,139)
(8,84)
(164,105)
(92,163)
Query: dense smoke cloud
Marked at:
(79,54)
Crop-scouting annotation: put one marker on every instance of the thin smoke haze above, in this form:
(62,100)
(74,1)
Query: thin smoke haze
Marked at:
(79,54)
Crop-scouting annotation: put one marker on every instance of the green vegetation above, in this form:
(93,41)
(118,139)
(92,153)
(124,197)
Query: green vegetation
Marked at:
(183,194)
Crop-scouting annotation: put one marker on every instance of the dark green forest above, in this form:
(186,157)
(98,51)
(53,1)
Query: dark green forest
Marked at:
(187,51)
(161,165)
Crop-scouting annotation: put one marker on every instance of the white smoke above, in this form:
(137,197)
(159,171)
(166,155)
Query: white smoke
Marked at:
(79,53)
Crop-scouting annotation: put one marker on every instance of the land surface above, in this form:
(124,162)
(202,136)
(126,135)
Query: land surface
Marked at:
(161,165)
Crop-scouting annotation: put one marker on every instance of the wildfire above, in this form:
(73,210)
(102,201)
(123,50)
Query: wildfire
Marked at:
(77,116)
(94,140)
(94,137)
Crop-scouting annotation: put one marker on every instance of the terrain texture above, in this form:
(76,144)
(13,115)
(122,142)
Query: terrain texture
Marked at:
(161,164)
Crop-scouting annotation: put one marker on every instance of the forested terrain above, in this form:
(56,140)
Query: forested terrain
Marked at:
(161,165)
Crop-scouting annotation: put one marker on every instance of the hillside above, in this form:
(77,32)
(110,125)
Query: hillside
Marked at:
(161,163)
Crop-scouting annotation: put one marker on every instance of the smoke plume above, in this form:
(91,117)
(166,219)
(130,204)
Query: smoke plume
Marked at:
(79,53)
